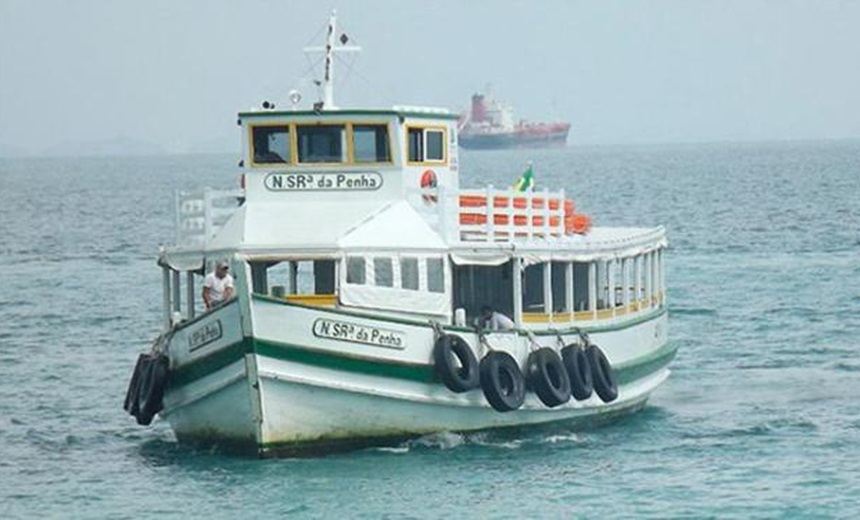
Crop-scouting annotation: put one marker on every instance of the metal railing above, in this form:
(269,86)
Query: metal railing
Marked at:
(490,214)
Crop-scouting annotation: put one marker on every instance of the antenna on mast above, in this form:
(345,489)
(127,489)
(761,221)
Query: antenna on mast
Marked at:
(329,50)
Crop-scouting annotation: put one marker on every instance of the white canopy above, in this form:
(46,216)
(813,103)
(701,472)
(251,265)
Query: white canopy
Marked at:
(396,227)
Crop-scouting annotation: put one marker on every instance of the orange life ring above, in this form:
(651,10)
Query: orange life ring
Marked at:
(429,182)
(578,223)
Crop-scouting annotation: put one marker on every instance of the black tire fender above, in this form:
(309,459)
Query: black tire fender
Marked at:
(131,404)
(605,384)
(456,364)
(546,374)
(578,371)
(502,381)
(150,395)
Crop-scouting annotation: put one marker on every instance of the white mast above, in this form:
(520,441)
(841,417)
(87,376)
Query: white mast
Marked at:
(329,50)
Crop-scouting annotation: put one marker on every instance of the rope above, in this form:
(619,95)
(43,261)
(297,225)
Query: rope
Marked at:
(532,340)
(159,346)
(558,338)
(482,341)
(583,336)
(438,331)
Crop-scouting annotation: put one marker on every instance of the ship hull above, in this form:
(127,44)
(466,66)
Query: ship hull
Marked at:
(512,140)
(288,389)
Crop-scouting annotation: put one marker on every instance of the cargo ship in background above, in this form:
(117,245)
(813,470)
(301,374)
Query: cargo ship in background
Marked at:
(490,126)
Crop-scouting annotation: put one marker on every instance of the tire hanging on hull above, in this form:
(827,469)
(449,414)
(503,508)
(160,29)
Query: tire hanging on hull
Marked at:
(502,381)
(605,384)
(456,364)
(145,395)
(547,376)
(579,371)
(131,406)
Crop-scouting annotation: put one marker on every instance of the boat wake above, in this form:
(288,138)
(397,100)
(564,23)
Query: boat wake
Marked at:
(444,441)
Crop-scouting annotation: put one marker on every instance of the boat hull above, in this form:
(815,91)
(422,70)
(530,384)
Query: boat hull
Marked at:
(288,389)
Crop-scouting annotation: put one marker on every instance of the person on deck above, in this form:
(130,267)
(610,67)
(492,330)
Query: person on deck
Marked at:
(492,320)
(217,286)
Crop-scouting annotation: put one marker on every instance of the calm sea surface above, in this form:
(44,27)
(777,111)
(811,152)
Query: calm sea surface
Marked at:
(760,418)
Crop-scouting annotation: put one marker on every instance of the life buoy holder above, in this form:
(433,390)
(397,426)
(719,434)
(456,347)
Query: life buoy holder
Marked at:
(546,375)
(502,381)
(456,364)
(429,182)
(579,371)
(605,384)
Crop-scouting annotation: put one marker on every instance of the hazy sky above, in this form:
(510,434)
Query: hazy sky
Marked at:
(174,73)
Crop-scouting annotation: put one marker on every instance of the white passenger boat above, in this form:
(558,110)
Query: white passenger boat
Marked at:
(361,269)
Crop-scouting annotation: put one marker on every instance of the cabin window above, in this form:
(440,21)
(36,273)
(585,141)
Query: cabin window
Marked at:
(435,146)
(628,292)
(383,272)
(294,277)
(533,293)
(475,286)
(321,143)
(416,145)
(435,275)
(409,273)
(370,143)
(324,277)
(581,287)
(271,144)
(603,284)
(559,286)
(355,270)
(426,144)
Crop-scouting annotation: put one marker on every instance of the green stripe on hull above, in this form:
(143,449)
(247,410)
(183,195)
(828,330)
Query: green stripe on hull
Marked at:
(285,352)
(645,365)
(209,364)
(626,372)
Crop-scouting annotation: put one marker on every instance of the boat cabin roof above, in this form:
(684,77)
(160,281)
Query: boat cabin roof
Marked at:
(399,112)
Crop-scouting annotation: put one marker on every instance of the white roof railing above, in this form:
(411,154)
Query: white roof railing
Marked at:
(200,214)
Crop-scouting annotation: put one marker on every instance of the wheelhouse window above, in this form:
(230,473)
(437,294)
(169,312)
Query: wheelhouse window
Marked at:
(321,143)
(426,144)
(271,144)
(370,143)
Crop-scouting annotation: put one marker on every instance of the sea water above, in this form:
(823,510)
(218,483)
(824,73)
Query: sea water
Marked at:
(759,419)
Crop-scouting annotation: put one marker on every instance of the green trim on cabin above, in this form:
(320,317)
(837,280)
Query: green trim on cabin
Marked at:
(350,113)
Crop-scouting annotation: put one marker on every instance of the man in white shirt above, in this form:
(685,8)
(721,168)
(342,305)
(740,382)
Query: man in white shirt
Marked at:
(218,286)
(491,320)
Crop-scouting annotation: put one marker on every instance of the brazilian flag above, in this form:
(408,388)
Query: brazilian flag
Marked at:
(527,181)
